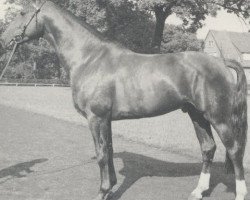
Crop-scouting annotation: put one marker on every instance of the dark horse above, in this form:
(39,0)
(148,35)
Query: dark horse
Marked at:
(110,82)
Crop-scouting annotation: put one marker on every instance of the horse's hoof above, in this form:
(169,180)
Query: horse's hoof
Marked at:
(193,197)
(100,196)
(240,197)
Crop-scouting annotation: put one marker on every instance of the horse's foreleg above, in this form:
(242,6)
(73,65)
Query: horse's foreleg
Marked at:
(101,130)
(208,147)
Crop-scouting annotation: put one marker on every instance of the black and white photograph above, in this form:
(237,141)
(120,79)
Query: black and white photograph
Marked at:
(124,99)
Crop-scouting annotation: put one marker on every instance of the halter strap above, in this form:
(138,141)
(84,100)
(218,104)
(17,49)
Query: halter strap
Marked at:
(32,17)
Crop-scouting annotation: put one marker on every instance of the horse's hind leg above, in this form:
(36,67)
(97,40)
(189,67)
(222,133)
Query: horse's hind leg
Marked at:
(208,147)
(235,151)
(101,130)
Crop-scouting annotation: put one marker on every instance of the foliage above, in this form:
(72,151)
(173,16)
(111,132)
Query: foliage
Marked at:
(129,25)
(34,60)
(177,39)
(31,81)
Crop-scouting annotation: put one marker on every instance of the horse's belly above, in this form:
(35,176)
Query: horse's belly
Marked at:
(146,102)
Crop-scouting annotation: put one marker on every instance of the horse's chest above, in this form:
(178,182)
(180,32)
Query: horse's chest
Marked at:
(93,95)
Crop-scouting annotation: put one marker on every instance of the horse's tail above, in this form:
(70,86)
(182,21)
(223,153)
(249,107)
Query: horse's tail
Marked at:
(239,112)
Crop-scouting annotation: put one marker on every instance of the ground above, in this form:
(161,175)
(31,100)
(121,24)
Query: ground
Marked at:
(44,158)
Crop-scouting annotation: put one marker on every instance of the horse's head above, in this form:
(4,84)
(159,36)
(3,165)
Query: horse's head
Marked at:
(27,25)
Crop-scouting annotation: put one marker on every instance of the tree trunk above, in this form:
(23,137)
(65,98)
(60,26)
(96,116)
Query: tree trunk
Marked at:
(35,69)
(58,68)
(161,14)
(59,74)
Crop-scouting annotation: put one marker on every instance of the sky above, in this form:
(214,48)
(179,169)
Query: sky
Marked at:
(223,21)
(3,7)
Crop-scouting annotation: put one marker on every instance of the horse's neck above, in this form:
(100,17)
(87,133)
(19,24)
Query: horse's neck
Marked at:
(74,43)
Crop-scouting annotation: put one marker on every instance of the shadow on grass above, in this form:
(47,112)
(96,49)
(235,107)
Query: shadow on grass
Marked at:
(19,170)
(137,166)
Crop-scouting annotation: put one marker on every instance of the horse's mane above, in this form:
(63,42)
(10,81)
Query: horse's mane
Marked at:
(83,23)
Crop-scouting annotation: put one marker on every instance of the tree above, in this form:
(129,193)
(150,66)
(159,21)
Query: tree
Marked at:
(122,21)
(178,39)
(129,25)
(192,12)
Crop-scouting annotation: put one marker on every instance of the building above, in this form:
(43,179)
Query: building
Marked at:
(229,45)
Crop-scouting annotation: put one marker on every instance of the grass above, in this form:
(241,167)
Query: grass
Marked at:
(173,131)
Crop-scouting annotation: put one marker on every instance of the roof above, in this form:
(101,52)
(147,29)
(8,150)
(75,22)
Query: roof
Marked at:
(227,40)
(241,41)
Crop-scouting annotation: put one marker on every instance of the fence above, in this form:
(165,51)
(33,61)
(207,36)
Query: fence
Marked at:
(34,82)
(50,83)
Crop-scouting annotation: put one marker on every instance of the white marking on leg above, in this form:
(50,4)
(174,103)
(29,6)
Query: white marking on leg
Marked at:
(202,186)
(241,189)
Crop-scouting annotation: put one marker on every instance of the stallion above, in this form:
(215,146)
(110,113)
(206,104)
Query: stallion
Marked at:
(110,82)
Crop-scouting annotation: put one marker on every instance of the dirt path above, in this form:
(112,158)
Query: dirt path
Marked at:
(42,158)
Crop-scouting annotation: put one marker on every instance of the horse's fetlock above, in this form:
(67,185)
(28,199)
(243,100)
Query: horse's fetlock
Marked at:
(102,159)
(106,186)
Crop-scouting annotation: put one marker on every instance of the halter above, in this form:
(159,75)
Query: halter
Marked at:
(19,38)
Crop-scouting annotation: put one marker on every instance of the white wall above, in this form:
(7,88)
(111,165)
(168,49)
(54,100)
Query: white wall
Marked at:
(246,56)
(247,72)
(210,46)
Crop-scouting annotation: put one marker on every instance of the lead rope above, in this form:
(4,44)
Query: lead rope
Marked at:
(11,55)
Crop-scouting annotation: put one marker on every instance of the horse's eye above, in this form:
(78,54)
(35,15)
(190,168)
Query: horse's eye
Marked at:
(22,13)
